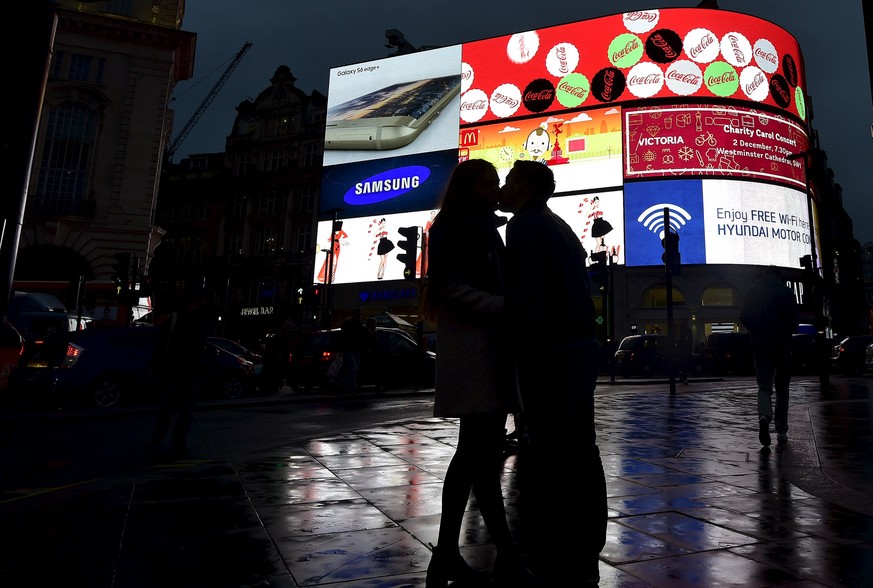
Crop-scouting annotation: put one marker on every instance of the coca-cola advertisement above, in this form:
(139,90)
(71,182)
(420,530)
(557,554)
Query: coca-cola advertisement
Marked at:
(602,52)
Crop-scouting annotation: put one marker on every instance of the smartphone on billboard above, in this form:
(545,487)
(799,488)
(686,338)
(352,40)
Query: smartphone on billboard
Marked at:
(391,117)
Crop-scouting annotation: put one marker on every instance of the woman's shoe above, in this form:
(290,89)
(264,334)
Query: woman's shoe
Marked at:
(511,572)
(450,566)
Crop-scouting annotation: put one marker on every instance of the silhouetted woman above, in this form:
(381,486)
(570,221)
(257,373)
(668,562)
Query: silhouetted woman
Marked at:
(475,377)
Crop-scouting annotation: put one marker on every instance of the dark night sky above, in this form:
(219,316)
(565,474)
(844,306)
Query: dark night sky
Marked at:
(312,37)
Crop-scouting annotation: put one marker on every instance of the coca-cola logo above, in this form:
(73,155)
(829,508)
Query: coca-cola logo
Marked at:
(474,105)
(789,68)
(573,90)
(723,78)
(780,90)
(629,48)
(538,95)
(683,77)
(663,46)
(608,84)
(754,83)
(505,100)
(703,48)
(766,56)
(640,21)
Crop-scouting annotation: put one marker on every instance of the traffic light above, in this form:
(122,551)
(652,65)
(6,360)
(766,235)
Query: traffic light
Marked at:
(598,271)
(409,248)
(121,271)
(671,256)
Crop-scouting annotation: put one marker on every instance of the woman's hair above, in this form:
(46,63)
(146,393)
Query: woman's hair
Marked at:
(456,197)
(455,200)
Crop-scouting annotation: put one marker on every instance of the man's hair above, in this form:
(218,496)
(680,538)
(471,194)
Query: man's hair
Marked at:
(538,176)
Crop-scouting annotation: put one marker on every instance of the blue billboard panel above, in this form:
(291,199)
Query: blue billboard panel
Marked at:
(386,186)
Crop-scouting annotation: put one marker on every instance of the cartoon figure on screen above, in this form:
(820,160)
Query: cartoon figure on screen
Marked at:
(382,245)
(538,143)
(336,242)
(421,262)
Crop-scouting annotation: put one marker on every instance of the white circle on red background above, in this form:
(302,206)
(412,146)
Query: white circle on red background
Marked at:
(505,100)
(736,49)
(641,21)
(474,105)
(467,76)
(754,83)
(522,47)
(645,79)
(701,45)
(562,59)
(683,77)
(766,55)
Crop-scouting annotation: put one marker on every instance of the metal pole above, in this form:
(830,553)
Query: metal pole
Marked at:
(669,285)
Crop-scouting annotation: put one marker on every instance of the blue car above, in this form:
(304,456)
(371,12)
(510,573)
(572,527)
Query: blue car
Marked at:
(114,365)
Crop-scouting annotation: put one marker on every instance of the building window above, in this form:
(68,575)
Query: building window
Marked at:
(718,296)
(656,297)
(80,67)
(58,64)
(63,168)
(101,69)
(311,154)
(277,160)
(274,202)
(267,242)
(234,244)
(303,241)
(238,209)
(305,202)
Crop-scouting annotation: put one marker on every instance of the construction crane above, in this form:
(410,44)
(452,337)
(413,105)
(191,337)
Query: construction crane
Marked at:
(183,134)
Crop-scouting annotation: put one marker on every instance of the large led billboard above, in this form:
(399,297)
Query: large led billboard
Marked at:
(693,110)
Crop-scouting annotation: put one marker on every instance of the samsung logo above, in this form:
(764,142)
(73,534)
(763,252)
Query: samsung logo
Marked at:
(387,185)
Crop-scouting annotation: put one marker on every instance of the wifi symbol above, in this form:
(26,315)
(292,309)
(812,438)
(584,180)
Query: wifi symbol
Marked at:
(653,218)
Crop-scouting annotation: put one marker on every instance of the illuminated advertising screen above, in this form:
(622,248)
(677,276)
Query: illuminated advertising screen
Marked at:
(694,110)
(712,141)
(718,221)
(688,53)
(582,148)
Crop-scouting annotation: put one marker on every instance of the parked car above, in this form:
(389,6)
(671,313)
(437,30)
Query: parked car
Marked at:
(642,355)
(729,353)
(398,362)
(114,365)
(11,348)
(848,356)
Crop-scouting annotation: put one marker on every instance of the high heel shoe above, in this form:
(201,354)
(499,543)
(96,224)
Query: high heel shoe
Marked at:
(511,572)
(449,565)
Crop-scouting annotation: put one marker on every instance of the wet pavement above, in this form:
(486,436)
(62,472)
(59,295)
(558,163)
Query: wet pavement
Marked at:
(694,502)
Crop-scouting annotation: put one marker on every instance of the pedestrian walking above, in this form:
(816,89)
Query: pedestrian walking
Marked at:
(550,308)
(771,315)
(475,376)
(180,363)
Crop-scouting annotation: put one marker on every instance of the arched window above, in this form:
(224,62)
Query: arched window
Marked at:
(719,296)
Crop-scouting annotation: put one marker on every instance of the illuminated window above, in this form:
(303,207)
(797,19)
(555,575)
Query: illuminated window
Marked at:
(656,297)
(718,296)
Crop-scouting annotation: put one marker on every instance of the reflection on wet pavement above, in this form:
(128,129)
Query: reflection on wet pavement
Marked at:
(693,501)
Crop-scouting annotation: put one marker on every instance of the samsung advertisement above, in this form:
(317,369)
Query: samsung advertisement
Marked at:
(699,113)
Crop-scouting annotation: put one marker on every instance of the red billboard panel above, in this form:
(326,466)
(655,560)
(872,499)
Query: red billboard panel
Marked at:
(712,141)
(639,55)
